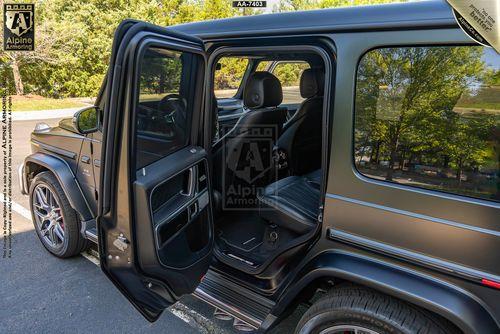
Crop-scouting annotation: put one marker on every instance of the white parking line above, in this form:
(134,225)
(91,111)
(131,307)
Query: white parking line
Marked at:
(180,310)
(17,207)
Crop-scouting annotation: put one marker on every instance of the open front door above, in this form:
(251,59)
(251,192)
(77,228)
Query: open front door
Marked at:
(155,221)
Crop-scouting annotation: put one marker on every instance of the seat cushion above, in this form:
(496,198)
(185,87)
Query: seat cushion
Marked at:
(314,178)
(292,203)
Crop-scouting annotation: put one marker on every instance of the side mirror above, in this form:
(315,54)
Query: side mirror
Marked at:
(86,120)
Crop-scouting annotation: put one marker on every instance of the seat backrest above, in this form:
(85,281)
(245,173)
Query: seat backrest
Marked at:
(302,134)
(262,96)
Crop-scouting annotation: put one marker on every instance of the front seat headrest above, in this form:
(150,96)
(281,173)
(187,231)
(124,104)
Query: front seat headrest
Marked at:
(262,90)
(312,82)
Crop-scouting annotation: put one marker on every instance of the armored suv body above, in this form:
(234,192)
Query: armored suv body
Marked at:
(349,156)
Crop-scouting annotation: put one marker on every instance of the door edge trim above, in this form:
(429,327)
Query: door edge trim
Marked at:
(415,215)
(454,269)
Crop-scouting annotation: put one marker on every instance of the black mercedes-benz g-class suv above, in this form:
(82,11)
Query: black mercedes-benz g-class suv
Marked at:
(257,162)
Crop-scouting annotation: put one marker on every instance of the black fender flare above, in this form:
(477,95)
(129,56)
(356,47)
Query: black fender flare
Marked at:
(459,306)
(66,178)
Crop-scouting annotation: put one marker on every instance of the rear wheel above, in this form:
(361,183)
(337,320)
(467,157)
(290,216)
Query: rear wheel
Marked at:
(56,222)
(358,310)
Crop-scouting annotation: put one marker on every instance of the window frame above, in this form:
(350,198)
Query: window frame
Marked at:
(248,70)
(272,68)
(323,49)
(386,183)
(192,123)
(412,224)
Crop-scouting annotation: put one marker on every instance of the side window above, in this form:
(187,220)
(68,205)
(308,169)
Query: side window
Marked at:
(429,117)
(228,76)
(289,74)
(164,109)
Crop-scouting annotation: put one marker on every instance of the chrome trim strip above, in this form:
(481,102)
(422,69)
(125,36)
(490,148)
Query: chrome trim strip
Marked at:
(415,215)
(421,259)
(202,295)
(423,191)
(91,236)
(53,149)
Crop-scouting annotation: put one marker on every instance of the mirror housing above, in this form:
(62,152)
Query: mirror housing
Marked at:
(86,120)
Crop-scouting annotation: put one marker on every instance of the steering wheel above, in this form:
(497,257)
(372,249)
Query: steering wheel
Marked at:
(172,107)
(171,114)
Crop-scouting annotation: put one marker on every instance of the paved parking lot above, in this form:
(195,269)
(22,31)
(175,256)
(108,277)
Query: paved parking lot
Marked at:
(40,293)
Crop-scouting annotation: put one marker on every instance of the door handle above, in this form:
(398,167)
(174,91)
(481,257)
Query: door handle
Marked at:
(85,159)
(97,162)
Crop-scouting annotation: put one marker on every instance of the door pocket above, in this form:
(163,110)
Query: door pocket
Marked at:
(181,213)
(178,240)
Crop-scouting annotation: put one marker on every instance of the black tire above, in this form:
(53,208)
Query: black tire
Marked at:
(73,243)
(368,309)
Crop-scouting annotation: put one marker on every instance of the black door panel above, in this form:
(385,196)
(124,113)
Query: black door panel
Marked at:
(155,220)
(173,209)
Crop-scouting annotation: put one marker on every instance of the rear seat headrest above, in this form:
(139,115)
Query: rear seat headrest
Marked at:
(262,90)
(312,83)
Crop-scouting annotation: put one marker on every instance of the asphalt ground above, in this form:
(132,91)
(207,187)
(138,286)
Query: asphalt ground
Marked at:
(40,293)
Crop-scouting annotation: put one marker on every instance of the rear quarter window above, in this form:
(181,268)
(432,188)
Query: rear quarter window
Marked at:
(228,76)
(288,73)
(429,117)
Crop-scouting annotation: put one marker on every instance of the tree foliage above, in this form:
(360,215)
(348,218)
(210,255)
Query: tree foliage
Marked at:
(80,33)
(73,39)
(420,107)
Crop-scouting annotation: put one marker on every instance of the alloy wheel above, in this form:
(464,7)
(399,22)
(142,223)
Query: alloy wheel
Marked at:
(48,216)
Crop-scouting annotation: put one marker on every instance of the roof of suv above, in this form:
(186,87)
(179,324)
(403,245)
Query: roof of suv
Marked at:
(399,15)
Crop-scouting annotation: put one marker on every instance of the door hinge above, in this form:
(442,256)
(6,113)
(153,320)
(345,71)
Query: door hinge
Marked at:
(121,242)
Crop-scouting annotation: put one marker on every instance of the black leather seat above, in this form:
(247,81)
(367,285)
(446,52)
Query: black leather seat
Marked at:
(292,202)
(262,95)
(299,146)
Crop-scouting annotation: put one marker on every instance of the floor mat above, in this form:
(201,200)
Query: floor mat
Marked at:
(243,231)
(245,236)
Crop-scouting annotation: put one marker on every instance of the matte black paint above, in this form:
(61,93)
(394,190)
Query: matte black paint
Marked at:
(445,243)
(124,203)
(66,178)
(450,301)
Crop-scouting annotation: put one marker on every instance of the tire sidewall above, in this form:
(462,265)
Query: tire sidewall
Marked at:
(44,179)
(325,319)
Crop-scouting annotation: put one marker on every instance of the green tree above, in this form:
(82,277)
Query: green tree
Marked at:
(415,85)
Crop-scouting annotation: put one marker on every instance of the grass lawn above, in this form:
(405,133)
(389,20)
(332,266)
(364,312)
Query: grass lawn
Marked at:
(34,102)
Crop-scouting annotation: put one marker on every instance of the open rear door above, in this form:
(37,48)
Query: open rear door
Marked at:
(155,224)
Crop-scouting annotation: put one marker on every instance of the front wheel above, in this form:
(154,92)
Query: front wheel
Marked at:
(358,310)
(56,222)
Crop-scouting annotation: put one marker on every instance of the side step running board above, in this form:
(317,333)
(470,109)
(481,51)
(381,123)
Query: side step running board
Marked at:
(242,303)
(89,230)
(91,235)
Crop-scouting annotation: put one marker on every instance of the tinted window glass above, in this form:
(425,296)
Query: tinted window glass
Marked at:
(227,78)
(289,74)
(164,108)
(429,117)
